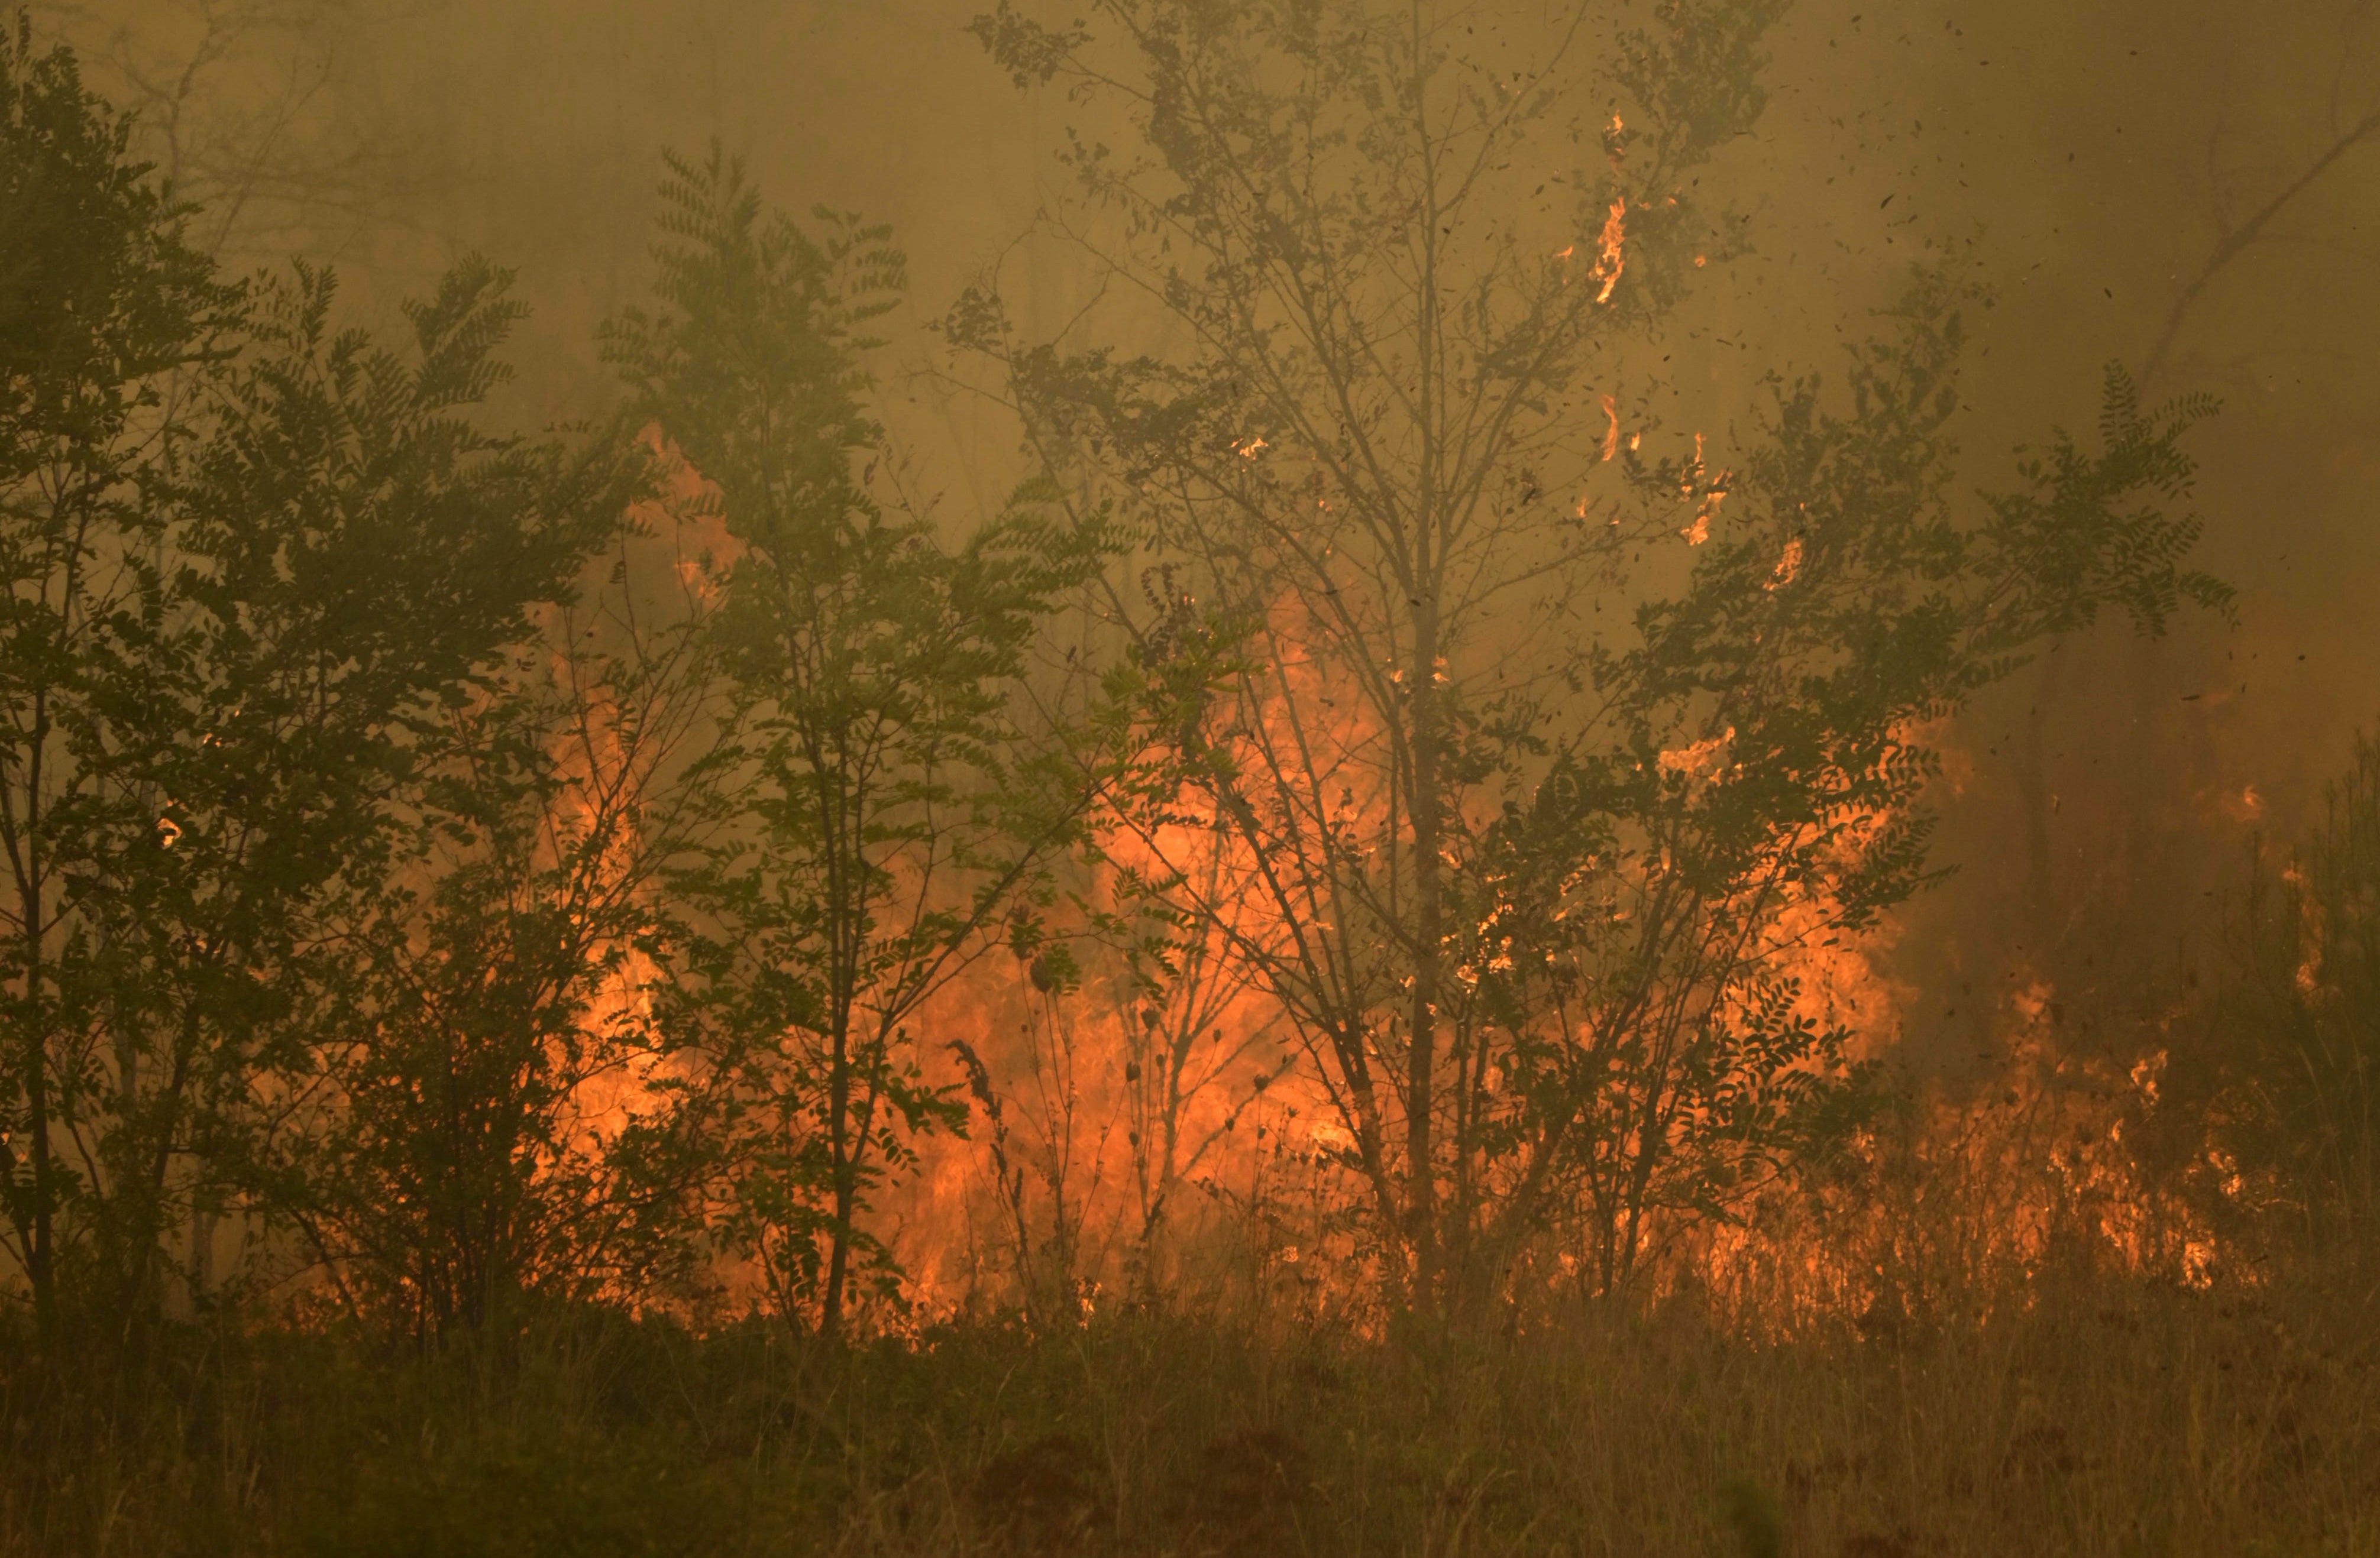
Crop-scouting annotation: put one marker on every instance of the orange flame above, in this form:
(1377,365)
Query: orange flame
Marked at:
(1610,259)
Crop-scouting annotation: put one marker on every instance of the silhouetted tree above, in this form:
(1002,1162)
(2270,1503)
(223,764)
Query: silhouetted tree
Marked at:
(101,305)
(1554,760)
(483,1117)
(869,747)
(252,559)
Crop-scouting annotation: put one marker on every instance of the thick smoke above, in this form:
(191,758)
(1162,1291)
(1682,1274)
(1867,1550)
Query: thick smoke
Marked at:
(2181,190)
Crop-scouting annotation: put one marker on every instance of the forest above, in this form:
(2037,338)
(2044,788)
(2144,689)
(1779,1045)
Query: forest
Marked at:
(1447,807)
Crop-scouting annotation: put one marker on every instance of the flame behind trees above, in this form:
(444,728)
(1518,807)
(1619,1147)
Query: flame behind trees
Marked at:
(882,825)
(249,561)
(479,1113)
(391,870)
(366,889)
(1543,978)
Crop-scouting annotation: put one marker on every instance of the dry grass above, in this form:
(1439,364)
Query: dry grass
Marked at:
(2098,1416)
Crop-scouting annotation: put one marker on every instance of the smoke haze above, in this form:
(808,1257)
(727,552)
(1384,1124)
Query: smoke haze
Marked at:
(2129,178)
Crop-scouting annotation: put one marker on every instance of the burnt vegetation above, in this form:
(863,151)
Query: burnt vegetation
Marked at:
(1312,980)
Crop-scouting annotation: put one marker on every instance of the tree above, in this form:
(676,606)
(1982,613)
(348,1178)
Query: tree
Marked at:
(351,555)
(1554,759)
(251,560)
(892,833)
(487,1119)
(101,303)
(1192,1035)
(236,103)
(340,552)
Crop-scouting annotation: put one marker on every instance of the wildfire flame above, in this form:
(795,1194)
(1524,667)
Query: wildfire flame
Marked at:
(1695,487)
(1610,259)
(1053,1177)
(1702,759)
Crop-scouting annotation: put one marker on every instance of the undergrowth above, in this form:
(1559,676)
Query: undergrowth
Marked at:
(2090,1414)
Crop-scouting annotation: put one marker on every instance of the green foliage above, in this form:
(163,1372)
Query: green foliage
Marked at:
(257,567)
(100,299)
(1352,464)
(1753,790)
(102,311)
(357,568)
(397,866)
(884,828)
(1545,840)
(485,1133)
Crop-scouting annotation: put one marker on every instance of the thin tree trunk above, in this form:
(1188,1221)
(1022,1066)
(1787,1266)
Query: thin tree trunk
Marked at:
(39,1261)
(838,1264)
(1421,1053)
